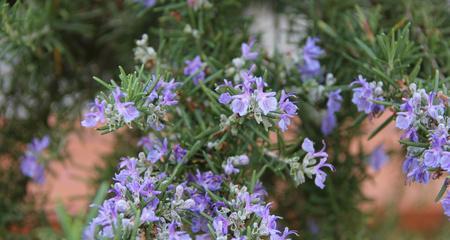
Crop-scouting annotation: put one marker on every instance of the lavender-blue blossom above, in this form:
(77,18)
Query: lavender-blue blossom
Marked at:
(125,109)
(95,115)
(179,153)
(378,157)
(288,109)
(194,69)
(252,96)
(311,155)
(446,204)
(156,148)
(365,94)
(147,3)
(334,104)
(246,49)
(30,161)
(310,66)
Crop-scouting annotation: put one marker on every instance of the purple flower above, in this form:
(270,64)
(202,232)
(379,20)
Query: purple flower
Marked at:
(147,189)
(38,145)
(208,180)
(199,224)
(220,225)
(445,161)
(251,92)
(431,157)
(434,111)
(334,104)
(240,160)
(148,213)
(288,110)
(308,147)
(311,52)
(418,172)
(247,54)
(95,115)
(284,122)
(241,103)
(194,69)
(30,165)
(329,123)
(439,136)
(268,221)
(365,94)
(408,164)
(266,101)
(259,191)
(179,153)
(155,147)
(225,98)
(407,115)
(378,158)
(321,175)
(147,3)
(286,105)
(404,120)
(226,83)
(154,93)
(446,205)
(168,97)
(436,156)
(127,109)
(202,202)
(411,134)
(177,235)
(284,235)
(229,168)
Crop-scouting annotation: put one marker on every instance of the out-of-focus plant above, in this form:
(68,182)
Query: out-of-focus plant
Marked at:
(50,50)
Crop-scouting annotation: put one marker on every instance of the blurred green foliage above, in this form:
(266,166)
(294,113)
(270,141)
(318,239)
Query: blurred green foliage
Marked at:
(50,50)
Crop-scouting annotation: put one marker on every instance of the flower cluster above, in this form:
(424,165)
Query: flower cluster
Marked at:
(309,165)
(422,117)
(130,191)
(194,69)
(365,94)
(118,108)
(250,99)
(310,67)
(197,205)
(424,111)
(30,165)
(334,104)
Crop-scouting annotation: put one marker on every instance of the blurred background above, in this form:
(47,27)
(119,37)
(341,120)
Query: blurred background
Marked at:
(50,49)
